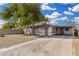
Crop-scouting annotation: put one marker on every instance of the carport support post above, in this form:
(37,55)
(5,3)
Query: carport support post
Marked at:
(73,32)
(46,30)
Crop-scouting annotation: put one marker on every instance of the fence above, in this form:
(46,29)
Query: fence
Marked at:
(12,31)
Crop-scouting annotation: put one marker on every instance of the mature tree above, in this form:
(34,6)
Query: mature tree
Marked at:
(7,15)
(7,25)
(23,14)
(30,14)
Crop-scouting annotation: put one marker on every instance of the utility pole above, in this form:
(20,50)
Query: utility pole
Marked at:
(73,29)
(73,32)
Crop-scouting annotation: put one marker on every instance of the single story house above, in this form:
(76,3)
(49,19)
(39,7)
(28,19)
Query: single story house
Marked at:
(46,29)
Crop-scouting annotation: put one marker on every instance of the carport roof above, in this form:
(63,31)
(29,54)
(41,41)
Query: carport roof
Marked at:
(49,24)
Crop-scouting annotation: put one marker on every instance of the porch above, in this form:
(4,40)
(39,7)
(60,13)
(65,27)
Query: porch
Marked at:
(49,30)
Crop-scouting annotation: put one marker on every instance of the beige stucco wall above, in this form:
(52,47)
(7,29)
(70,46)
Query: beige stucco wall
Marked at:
(50,31)
(68,32)
(41,31)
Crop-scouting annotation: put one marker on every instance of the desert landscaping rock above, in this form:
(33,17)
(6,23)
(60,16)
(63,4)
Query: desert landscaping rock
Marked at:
(43,47)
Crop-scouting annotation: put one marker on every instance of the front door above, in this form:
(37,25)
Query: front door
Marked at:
(61,31)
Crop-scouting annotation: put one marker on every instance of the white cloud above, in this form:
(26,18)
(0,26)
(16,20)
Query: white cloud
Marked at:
(64,18)
(54,18)
(75,8)
(2,4)
(70,9)
(50,16)
(53,15)
(56,14)
(46,7)
(76,19)
(61,19)
(54,22)
(68,13)
(47,16)
(57,19)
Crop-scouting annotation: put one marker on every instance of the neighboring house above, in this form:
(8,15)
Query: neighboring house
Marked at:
(76,31)
(47,29)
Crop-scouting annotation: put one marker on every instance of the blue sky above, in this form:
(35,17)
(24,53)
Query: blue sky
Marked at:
(57,13)
(2,6)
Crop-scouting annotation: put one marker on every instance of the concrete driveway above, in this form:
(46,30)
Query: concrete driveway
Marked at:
(41,47)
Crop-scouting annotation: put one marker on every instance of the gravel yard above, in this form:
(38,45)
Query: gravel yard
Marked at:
(10,40)
(42,47)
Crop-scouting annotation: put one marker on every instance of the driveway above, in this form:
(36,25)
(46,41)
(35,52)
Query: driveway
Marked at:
(41,47)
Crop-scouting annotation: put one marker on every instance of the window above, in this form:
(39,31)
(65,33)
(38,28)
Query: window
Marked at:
(66,29)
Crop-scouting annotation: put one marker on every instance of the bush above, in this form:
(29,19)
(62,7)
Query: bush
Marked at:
(1,35)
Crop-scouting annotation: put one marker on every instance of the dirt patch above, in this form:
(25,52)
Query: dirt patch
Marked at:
(76,46)
(10,40)
(43,47)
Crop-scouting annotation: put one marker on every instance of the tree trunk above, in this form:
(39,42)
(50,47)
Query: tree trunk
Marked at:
(28,29)
(33,29)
